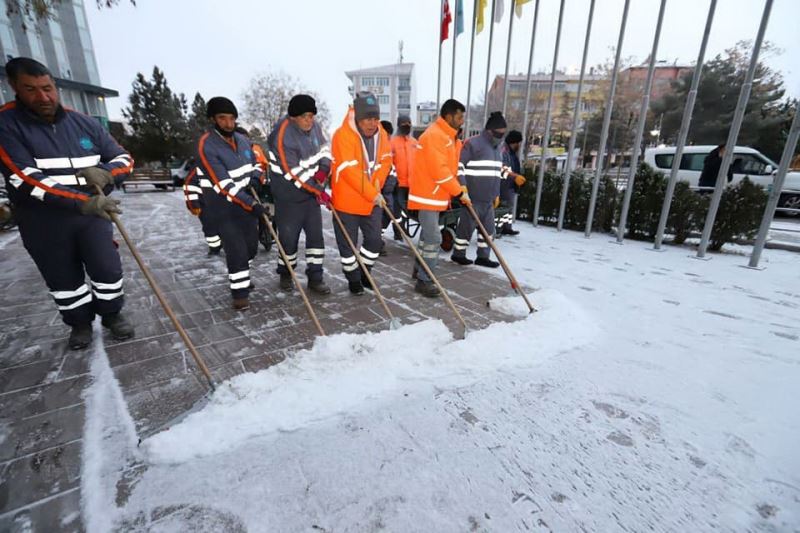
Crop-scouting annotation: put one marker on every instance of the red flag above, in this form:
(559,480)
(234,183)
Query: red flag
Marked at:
(446,20)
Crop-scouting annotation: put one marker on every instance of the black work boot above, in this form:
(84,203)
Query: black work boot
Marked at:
(426,288)
(318,286)
(80,337)
(461,259)
(241,304)
(486,262)
(286,282)
(118,325)
(508,230)
(355,287)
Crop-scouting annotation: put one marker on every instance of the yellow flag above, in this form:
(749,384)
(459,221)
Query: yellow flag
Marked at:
(518,7)
(481,9)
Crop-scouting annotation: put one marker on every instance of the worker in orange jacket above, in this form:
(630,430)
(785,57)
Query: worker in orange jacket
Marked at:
(362,159)
(404,147)
(434,182)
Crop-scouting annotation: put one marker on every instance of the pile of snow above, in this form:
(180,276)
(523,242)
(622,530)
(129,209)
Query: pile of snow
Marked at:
(346,372)
(513,305)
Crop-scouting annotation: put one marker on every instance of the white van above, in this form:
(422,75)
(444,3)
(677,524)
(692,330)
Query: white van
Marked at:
(746,162)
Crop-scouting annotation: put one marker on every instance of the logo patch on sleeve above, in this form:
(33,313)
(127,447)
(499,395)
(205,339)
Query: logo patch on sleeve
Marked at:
(86,143)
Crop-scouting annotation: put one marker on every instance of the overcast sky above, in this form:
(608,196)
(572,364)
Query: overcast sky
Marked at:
(215,46)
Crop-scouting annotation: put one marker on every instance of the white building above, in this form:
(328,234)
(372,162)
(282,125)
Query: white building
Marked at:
(394,85)
(426,114)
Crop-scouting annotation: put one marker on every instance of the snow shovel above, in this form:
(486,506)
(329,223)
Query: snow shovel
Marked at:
(393,322)
(162,300)
(490,242)
(425,266)
(289,267)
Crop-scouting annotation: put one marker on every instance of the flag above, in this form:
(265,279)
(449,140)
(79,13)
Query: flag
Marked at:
(446,19)
(459,26)
(518,7)
(481,9)
(498,10)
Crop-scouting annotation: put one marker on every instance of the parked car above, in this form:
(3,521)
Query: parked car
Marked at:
(746,162)
(179,169)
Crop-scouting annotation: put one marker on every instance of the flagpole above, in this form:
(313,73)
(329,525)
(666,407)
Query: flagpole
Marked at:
(439,80)
(488,66)
(469,76)
(455,41)
(528,87)
(508,57)
(548,119)
(575,117)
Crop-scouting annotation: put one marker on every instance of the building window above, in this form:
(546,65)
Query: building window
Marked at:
(404,84)
(382,82)
(367,81)
(404,100)
(383,99)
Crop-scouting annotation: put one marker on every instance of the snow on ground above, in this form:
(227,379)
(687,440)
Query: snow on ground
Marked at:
(652,391)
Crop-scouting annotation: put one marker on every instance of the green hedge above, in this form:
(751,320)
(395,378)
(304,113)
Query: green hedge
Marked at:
(739,215)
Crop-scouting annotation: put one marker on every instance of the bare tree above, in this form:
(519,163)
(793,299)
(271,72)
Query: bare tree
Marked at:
(37,10)
(267,96)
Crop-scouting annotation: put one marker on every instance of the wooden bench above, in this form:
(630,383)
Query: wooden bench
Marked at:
(160,178)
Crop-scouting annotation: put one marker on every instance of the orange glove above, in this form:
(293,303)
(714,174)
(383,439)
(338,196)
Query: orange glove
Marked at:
(465,199)
(496,202)
(519,180)
(196,211)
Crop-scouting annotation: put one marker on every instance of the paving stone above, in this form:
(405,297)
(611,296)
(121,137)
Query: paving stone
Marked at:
(60,513)
(40,475)
(24,436)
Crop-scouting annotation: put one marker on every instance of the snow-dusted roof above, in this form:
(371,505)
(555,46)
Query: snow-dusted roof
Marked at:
(397,68)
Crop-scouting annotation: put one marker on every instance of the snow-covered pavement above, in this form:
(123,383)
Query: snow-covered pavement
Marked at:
(652,391)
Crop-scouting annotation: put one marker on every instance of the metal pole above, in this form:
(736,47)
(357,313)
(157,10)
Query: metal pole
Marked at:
(508,56)
(469,76)
(201,364)
(684,131)
(426,268)
(572,135)
(601,149)
(733,134)
(510,275)
(528,88)
(548,118)
(393,322)
(488,66)
(637,143)
(289,266)
(439,64)
(777,185)
(455,41)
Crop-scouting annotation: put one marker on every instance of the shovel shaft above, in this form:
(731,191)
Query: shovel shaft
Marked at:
(506,269)
(425,267)
(360,260)
(162,300)
(289,267)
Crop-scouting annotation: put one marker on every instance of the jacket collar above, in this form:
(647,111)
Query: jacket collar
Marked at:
(442,123)
(31,115)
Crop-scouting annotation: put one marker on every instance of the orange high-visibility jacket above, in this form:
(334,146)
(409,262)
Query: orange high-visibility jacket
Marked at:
(435,175)
(354,183)
(403,148)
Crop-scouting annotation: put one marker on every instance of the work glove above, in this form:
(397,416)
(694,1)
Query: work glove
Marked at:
(324,199)
(519,180)
(320,176)
(100,206)
(96,176)
(464,198)
(258,210)
(379,201)
(195,211)
(496,202)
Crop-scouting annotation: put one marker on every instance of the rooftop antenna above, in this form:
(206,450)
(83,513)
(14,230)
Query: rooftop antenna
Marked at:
(400,47)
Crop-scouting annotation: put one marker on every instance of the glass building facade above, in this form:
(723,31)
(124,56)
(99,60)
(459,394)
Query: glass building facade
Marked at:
(63,43)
